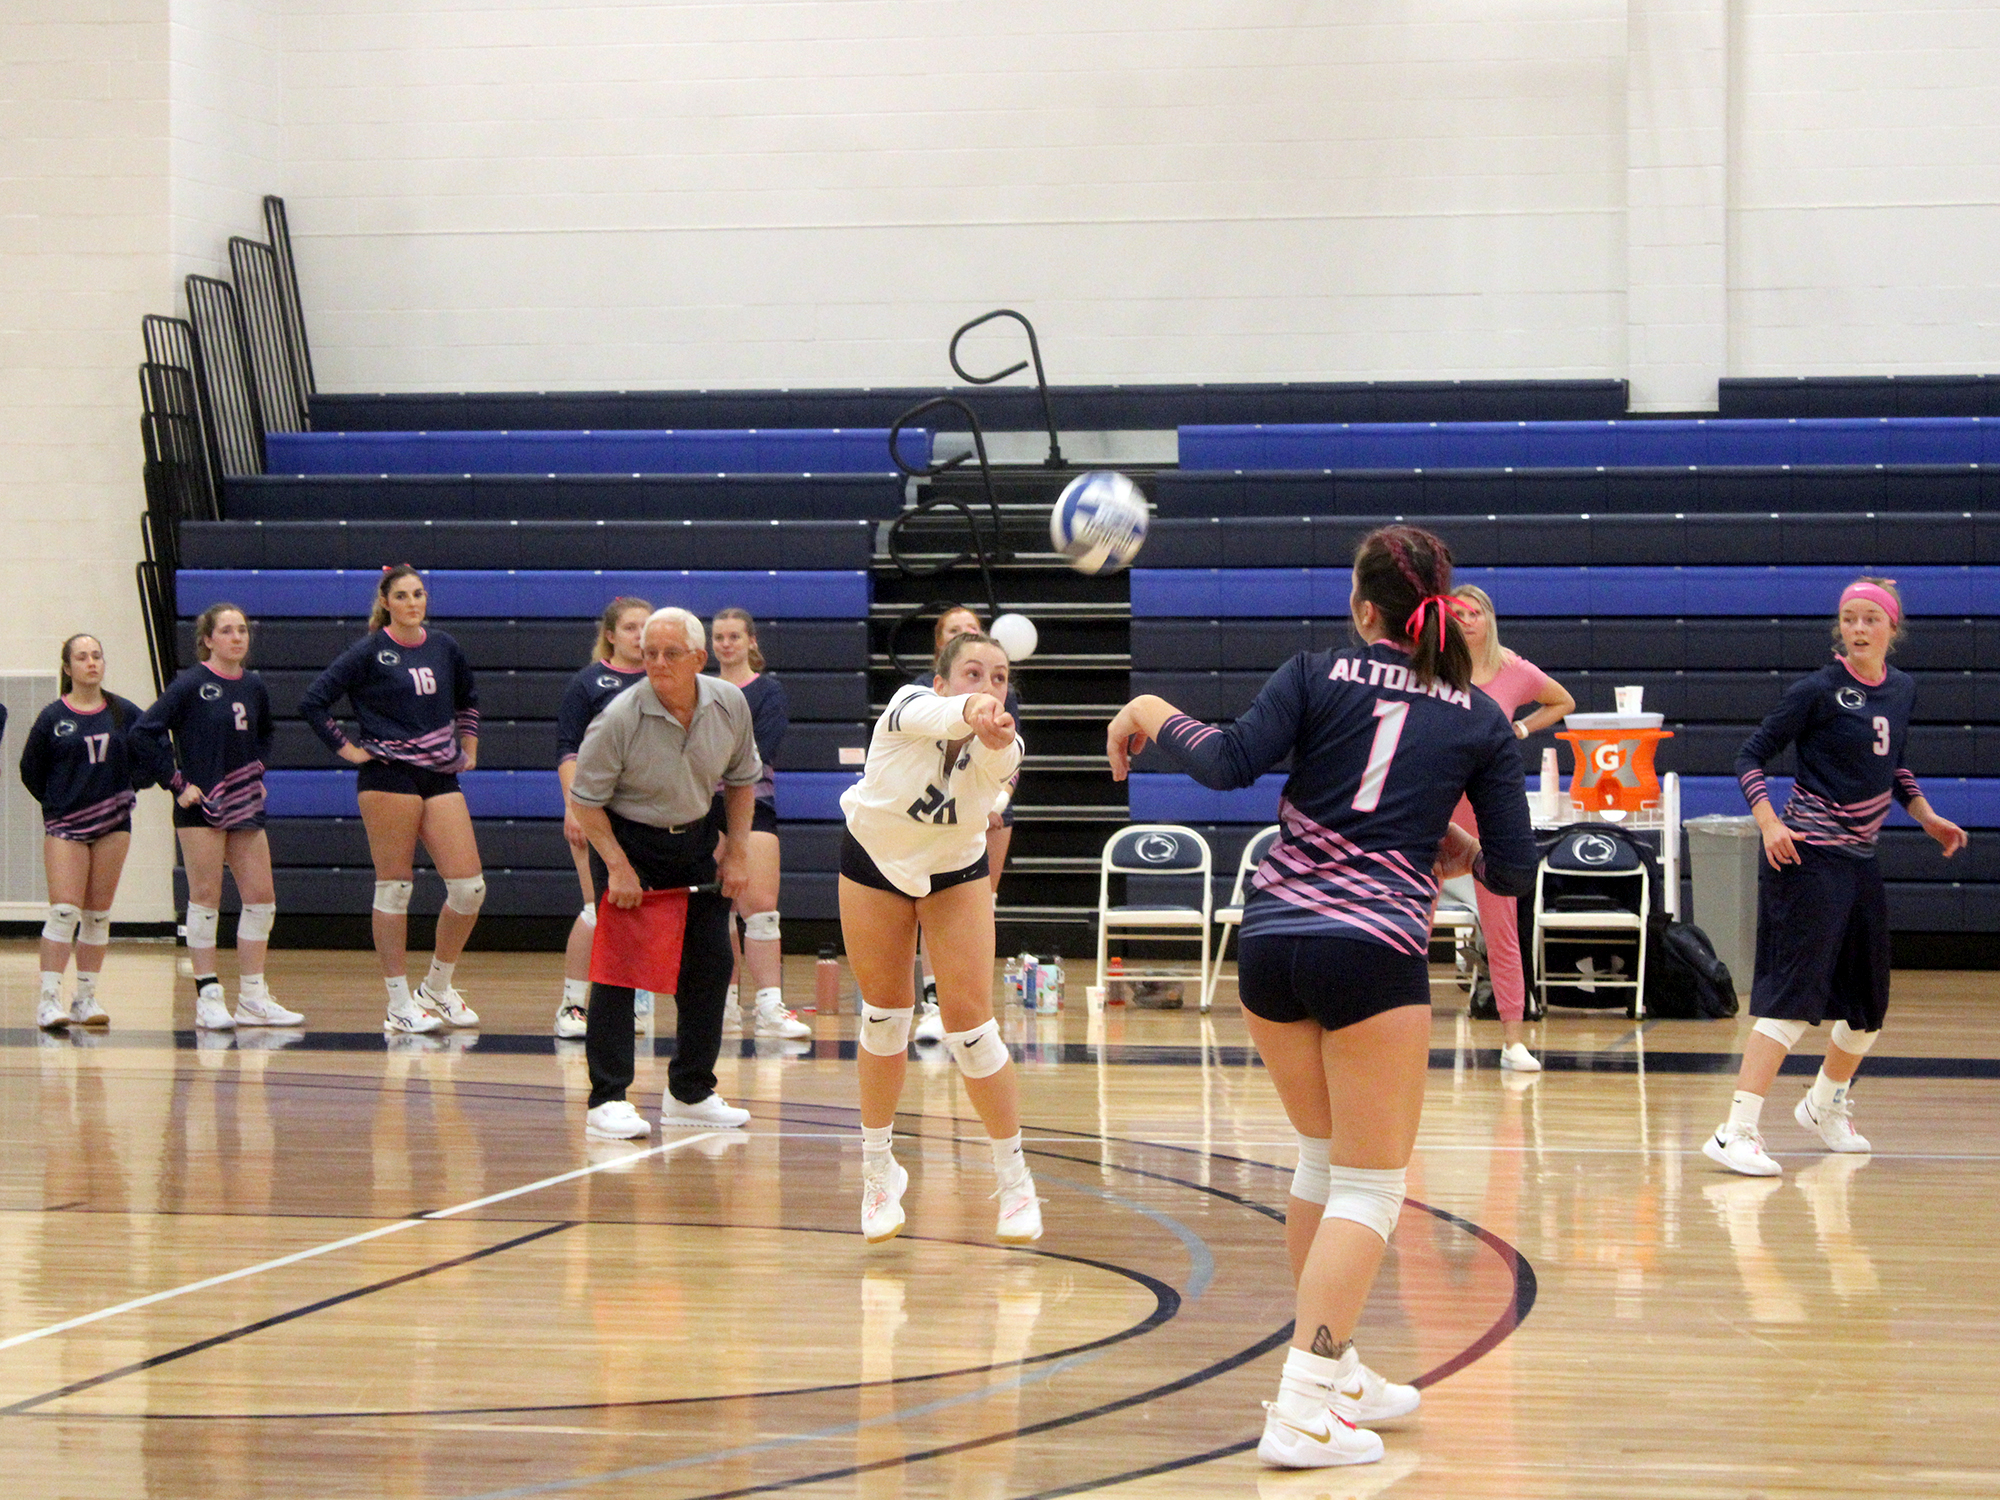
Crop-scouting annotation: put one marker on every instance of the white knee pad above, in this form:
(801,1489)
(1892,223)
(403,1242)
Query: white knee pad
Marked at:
(1785,1033)
(761,927)
(979,1052)
(61,925)
(1366,1196)
(95,929)
(886,1033)
(254,926)
(1310,1179)
(589,914)
(393,896)
(201,924)
(466,896)
(1847,1039)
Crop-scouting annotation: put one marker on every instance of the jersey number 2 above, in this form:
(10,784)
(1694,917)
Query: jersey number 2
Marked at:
(242,715)
(1380,753)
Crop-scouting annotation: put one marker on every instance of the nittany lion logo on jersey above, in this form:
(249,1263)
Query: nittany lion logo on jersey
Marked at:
(608,681)
(1593,849)
(389,658)
(210,691)
(63,727)
(1851,697)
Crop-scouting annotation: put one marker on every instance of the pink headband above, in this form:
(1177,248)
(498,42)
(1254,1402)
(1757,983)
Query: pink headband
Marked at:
(1874,593)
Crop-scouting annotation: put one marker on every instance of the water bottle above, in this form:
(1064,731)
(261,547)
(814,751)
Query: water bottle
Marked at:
(826,983)
(1049,1000)
(1011,979)
(1031,982)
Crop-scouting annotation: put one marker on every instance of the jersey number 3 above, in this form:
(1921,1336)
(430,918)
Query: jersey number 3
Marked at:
(1380,753)
(934,807)
(1881,735)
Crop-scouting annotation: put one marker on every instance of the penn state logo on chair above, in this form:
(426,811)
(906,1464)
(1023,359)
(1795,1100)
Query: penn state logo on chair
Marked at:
(1158,849)
(1585,850)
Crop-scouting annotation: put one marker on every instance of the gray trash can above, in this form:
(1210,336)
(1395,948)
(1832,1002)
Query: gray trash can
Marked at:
(1723,854)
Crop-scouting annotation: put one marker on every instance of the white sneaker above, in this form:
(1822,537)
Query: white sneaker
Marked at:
(1366,1398)
(50,1014)
(1518,1059)
(773,1019)
(85,1011)
(882,1199)
(572,1021)
(1333,1440)
(1834,1125)
(615,1120)
(210,1014)
(412,1022)
(642,1009)
(451,1005)
(1020,1221)
(1741,1149)
(262,1010)
(930,1024)
(712,1113)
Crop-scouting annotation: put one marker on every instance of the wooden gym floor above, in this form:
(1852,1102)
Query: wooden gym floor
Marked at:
(317,1267)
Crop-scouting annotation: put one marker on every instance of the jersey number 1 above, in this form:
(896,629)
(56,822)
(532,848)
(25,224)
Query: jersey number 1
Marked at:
(1387,733)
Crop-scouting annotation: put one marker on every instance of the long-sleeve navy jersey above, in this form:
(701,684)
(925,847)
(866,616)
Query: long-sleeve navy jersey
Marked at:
(770,718)
(84,768)
(1378,764)
(413,703)
(222,729)
(1849,740)
(584,699)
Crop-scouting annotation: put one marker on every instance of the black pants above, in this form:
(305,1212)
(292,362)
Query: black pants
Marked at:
(664,859)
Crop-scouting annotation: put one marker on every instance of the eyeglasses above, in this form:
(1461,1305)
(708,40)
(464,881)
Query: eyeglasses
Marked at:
(672,656)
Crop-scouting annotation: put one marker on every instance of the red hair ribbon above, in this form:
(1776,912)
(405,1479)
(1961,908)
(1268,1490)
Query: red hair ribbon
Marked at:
(1446,605)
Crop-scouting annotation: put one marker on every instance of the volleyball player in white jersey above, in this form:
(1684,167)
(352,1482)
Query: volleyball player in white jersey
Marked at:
(915,853)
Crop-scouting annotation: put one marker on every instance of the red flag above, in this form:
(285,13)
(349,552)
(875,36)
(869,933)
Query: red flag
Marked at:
(639,947)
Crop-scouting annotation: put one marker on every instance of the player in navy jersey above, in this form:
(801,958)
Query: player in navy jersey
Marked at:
(957,620)
(760,956)
(1334,974)
(617,660)
(218,716)
(418,713)
(1822,914)
(82,764)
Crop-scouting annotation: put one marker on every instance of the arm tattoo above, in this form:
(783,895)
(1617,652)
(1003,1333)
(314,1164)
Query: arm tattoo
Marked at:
(1326,1348)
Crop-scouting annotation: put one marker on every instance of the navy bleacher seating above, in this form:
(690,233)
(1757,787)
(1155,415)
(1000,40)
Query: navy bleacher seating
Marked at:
(1015,408)
(474,593)
(1567,445)
(1860,396)
(862,450)
(527,544)
(1575,492)
(610,498)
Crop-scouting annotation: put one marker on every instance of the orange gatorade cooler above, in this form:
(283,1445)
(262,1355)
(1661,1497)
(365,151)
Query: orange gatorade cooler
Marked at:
(1614,760)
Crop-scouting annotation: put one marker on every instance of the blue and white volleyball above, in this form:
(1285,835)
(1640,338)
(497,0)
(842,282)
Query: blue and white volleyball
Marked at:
(1099,523)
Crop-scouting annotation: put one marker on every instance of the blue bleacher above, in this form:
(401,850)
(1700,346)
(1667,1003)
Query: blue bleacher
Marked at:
(1615,444)
(608,498)
(276,593)
(587,544)
(740,451)
(803,796)
(1001,408)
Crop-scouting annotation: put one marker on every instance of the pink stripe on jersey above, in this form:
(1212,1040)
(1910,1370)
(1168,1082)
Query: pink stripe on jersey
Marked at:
(1378,893)
(90,822)
(437,750)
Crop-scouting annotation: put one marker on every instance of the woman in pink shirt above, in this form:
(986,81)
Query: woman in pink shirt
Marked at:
(1509,680)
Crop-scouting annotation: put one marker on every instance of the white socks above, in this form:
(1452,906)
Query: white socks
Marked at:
(576,992)
(1744,1109)
(772,998)
(399,993)
(1825,1093)
(875,1141)
(439,978)
(251,987)
(51,983)
(1305,1390)
(86,986)
(1009,1165)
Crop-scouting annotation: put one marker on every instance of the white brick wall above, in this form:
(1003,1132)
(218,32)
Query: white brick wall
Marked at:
(225,78)
(83,256)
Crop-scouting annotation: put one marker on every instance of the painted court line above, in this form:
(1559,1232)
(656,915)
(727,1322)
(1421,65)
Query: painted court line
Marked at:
(426,1217)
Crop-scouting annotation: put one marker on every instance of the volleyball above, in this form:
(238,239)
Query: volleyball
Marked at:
(1099,522)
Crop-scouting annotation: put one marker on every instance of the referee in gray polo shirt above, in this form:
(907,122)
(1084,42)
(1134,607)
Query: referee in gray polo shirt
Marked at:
(645,778)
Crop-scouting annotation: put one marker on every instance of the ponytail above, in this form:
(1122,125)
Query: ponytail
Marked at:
(1405,572)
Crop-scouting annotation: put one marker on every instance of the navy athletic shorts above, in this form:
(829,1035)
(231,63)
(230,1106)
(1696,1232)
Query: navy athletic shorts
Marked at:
(1822,941)
(405,780)
(858,867)
(1322,977)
